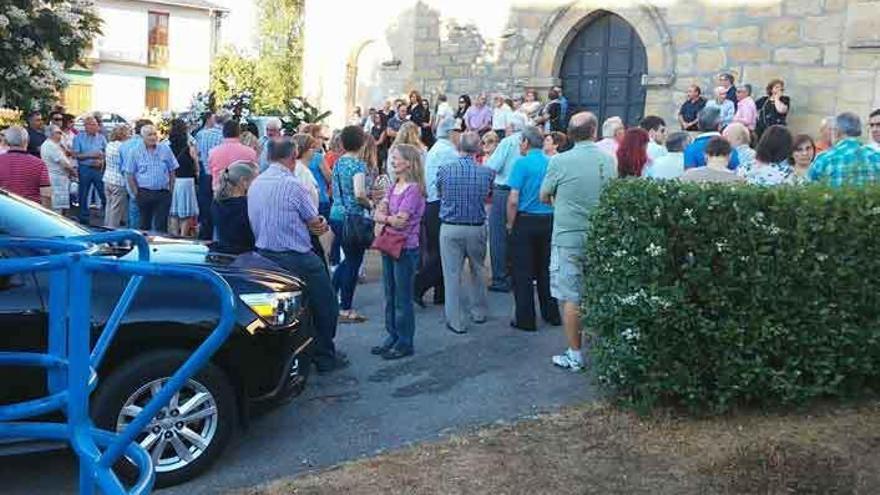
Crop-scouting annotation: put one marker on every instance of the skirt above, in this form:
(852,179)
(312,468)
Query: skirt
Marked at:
(184,202)
(60,191)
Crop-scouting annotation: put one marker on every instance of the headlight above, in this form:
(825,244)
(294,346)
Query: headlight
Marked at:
(278,309)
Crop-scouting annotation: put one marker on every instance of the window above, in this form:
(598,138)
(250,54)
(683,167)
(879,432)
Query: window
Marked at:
(157,48)
(157,93)
(77,96)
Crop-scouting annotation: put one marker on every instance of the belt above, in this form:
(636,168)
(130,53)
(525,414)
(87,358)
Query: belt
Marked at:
(464,224)
(534,215)
(503,188)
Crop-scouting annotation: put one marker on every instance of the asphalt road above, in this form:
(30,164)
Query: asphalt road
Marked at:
(454,382)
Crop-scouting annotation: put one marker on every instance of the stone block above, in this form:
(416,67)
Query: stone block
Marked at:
(804,7)
(744,34)
(684,63)
(835,5)
(807,55)
(705,36)
(530,20)
(684,15)
(821,101)
(739,54)
(760,74)
(782,31)
(861,60)
(452,71)
(805,123)
(823,29)
(711,60)
(681,38)
(773,9)
(858,86)
(863,25)
(825,77)
(521,70)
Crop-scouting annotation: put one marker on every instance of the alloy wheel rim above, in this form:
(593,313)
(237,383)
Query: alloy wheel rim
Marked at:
(181,431)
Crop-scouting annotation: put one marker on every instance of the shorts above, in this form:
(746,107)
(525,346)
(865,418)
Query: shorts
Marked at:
(566,273)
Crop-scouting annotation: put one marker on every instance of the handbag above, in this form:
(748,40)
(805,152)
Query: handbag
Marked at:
(357,231)
(390,242)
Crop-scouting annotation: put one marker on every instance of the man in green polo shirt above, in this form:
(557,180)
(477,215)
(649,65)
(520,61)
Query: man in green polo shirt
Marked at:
(572,185)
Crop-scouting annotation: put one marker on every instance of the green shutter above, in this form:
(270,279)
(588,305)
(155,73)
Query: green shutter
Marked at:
(157,84)
(79,76)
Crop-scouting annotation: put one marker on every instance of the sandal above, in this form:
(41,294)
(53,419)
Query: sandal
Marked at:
(351,317)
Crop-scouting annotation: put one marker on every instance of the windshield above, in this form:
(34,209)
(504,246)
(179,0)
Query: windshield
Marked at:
(21,218)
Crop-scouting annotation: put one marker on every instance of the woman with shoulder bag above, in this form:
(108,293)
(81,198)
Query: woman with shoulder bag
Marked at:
(349,219)
(401,214)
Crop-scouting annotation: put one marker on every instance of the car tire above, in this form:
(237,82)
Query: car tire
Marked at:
(211,394)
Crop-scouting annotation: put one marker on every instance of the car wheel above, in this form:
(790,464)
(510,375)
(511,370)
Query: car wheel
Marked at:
(187,435)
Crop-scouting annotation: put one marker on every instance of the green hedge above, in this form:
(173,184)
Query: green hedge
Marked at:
(716,296)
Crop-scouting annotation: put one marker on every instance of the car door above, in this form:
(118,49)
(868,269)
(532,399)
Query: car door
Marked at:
(23,327)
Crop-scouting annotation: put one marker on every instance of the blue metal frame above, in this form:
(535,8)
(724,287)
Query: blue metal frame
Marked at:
(72,365)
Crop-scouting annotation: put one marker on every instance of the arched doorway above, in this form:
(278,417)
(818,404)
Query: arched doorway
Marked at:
(603,70)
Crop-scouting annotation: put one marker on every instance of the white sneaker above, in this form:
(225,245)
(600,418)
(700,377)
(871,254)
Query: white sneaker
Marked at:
(570,360)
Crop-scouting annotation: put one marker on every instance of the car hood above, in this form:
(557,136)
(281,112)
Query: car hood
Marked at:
(167,250)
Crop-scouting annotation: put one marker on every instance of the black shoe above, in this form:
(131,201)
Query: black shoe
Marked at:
(379,350)
(393,354)
(554,322)
(338,363)
(478,321)
(523,328)
(453,330)
(497,288)
(419,302)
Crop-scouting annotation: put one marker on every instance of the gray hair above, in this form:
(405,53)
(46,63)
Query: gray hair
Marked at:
(747,87)
(611,126)
(848,124)
(470,143)
(677,142)
(533,136)
(709,119)
(233,176)
(89,117)
(16,137)
(517,122)
(582,127)
(51,129)
(147,129)
(273,123)
(445,127)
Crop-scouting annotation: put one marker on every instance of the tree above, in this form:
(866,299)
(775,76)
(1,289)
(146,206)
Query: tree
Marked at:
(39,39)
(274,76)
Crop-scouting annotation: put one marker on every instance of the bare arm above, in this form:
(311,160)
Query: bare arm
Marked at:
(512,203)
(781,107)
(194,153)
(132,185)
(360,190)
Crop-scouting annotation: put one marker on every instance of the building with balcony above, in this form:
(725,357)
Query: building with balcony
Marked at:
(152,54)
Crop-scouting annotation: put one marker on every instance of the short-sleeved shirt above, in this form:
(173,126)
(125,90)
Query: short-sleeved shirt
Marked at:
(412,202)
(463,187)
(151,167)
(113,162)
(848,162)
(695,153)
(320,181)
(224,155)
(505,155)
(575,179)
(344,200)
(23,174)
(441,153)
(478,118)
(527,176)
(84,143)
(690,109)
(669,166)
(710,175)
(35,141)
(726,109)
(206,140)
(279,209)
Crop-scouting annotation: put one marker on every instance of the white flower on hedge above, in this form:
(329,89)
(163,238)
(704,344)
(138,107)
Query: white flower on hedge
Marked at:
(654,250)
(875,210)
(630,334)
(620,253)
(689,215)
(821,257)
(774,230)
(721,245)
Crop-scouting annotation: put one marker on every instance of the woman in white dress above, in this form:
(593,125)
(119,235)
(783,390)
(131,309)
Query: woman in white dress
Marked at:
(61,171)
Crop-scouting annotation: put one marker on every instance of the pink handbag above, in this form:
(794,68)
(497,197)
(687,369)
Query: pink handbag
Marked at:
(389,242)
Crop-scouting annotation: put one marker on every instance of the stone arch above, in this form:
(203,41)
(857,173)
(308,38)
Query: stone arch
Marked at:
(562,27)
(351,74)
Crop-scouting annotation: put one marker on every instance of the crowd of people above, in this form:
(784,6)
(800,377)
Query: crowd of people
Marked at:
(433,189)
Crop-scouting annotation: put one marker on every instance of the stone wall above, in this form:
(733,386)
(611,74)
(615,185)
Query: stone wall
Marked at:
(827,51)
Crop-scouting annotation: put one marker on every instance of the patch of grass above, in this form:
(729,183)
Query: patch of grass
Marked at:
(599,449)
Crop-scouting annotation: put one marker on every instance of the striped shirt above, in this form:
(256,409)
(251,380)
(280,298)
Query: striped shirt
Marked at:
(113,159)
(279,209)
(23,174)
(151,168)
(207,139)
(849,162)
(463,187)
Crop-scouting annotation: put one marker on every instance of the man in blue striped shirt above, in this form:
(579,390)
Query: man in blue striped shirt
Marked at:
(207,139)
(282,216)
(463,187)
(150,173)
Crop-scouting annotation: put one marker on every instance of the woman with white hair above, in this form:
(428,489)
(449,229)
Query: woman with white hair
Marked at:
(740,138)
(613,131)
(723,105)
(61,170)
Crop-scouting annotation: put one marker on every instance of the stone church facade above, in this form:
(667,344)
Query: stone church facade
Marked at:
(627,57)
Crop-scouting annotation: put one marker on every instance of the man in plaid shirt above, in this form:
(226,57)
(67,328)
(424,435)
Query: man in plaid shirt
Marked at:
(463,187)
(848,162)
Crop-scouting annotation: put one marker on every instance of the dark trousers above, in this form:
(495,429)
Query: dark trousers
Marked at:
(430,274)
(498,238)
(345,278)
(154,207)
(205,197)
(321,298)
(89,177)
(530,251)
(397,279)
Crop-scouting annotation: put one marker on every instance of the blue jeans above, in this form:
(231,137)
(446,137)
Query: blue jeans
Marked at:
(345,278)
(498,238)
(89,177)
(321,298)
(398,278)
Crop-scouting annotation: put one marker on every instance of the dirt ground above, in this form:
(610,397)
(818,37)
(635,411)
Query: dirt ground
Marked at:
(603,450)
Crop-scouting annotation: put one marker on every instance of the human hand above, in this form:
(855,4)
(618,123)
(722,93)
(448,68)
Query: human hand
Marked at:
(396,222)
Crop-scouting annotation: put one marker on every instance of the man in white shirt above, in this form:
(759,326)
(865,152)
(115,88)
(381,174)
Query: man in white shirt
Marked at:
(671,164)
(444,111)
(501,116)
(656,128)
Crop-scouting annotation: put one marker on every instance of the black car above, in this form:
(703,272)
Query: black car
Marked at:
(264,361)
